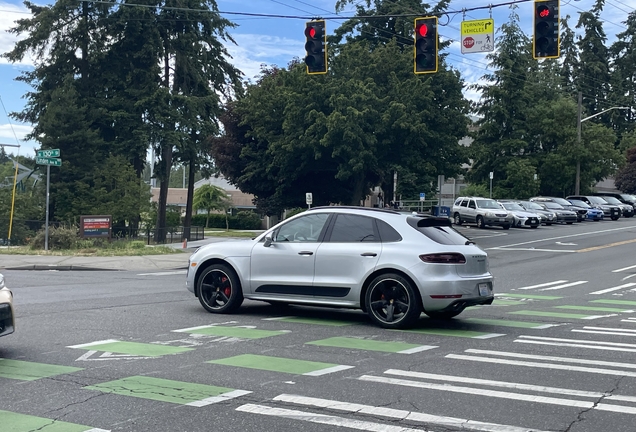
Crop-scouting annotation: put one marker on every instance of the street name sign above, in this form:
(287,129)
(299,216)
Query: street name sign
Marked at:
(48,161)
(478,36)
(49,153)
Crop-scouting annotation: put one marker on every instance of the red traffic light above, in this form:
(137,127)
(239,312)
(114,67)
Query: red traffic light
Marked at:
(422,30)
(312,32)
(544,11)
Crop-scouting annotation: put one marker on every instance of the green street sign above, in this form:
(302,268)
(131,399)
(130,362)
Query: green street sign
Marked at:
(48,161)
(49,153)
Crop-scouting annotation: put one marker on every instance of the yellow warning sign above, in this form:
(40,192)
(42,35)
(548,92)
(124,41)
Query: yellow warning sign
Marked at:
(478,35)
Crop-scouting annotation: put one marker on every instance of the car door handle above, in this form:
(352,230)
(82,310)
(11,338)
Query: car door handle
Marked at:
(369,254)
(305,253)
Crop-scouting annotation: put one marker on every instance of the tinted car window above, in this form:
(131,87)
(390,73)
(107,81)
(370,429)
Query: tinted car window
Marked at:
(554,206)
(561,201)
(579,203)
(465,203)
(531,205)
(443,234)
(471,204)
(596,200)
(387,233)
(488,204)
(306,228)
(353,228)
(611,200)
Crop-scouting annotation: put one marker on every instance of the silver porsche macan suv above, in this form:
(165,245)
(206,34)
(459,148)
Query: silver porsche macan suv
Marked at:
(392,265)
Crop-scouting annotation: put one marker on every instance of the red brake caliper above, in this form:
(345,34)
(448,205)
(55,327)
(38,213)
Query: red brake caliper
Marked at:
(227,291)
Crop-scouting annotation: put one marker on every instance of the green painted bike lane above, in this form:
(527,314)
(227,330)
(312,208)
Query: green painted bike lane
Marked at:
(131,348)
(164,390)
(14,422)
(280,364)
(31,371)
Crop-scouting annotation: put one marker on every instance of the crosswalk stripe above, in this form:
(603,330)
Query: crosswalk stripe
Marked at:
(586,342)
(542,285)
(399,414)
(542,365)
(504,384)
(480,392)
(552,358)
(563,286)
(322,419)
(575,345)
(220,398)
(608,290)
(611,333)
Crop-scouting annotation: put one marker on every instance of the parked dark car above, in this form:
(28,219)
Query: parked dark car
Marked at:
(622,197)
(563,215)
(581,213)
(614,212)
(627,209)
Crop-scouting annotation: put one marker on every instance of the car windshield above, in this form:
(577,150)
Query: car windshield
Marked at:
(611,200)
(627,197)
(488,204)
(531,205)
(512,206)
(597,200)
(561,201)
(553,205)
(580,203)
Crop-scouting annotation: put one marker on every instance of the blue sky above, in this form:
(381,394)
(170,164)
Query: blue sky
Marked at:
(278,40)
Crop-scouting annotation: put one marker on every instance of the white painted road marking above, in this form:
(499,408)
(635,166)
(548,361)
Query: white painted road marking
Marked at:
(563,286)
(542,285)
(168,273)
(623,269)
(328,370)
(607,290)
(220,398)
(322,419)
(393,413)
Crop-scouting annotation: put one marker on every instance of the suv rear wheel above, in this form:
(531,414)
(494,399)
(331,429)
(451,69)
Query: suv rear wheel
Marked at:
(391,302)
(457,219)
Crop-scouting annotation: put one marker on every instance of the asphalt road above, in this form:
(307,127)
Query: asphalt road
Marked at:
(132,351)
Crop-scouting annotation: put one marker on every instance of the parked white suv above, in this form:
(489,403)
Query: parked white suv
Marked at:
(482,212)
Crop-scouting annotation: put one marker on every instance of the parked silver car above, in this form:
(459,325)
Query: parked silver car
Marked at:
(522,217)
(392,265)
(7,317)
(482,212)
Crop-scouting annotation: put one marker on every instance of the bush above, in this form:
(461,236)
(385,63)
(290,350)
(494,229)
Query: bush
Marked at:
(137,244)
(294,212)
(246,220)
(59,238)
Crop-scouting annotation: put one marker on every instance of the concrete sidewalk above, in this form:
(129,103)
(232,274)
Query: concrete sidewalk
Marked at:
(176,261)
(134,263)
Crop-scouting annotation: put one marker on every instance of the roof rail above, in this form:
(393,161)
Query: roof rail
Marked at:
(383,210)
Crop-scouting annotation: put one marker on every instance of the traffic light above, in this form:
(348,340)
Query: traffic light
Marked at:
(425,49)
(316,47)
(545,40)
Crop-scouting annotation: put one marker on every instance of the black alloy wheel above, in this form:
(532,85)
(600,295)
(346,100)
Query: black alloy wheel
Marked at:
(391,302)
(219,289)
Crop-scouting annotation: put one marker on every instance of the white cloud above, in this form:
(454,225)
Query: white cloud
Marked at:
(8,135)
(271,50)
(9,13)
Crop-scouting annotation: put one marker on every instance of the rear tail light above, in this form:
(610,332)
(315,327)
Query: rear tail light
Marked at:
(444,258)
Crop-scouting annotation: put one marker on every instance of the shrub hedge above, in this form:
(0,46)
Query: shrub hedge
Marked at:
(244,220)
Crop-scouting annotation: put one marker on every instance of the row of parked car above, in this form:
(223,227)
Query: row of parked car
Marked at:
(542,210)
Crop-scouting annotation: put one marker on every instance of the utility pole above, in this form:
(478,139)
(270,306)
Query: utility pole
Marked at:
(577,183)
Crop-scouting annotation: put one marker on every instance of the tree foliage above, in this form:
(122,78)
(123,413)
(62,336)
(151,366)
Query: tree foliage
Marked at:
(211,198)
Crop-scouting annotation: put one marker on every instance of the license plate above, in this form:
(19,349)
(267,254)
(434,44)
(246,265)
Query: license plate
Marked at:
(484,289)
(502,219)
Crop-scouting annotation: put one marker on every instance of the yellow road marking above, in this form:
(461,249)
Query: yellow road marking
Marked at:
(607,245)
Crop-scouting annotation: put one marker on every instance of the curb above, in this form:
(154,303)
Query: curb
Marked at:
(59,267)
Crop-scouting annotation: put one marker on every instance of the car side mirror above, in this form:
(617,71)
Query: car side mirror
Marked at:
(268,241)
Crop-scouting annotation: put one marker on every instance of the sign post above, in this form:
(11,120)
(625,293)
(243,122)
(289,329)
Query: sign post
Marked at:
(309,198)
(492,174)
(48,157)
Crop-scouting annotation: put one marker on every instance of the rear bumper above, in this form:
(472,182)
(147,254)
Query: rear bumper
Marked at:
(7,316)
(460,305)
